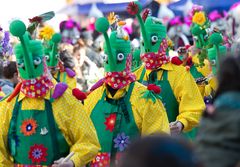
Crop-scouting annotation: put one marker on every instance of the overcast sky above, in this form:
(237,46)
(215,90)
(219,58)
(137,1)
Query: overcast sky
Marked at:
(24,9)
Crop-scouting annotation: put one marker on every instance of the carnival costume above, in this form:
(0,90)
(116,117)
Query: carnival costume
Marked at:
(40,121)
(121,108)
(56,66)
(180,94)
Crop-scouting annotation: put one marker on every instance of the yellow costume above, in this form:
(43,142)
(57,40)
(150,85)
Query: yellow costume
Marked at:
(72,121)
(185,91)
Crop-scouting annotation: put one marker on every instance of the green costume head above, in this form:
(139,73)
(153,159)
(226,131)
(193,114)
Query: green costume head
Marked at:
(51,50)
(29,53)
(153,31)
(199,29)
(217,51)
(200,36)
(116,48)
(136,60)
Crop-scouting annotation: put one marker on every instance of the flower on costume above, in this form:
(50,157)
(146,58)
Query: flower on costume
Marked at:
(37,153)
(101,160)
(46,33)
(110,122)
(28,127)
(132,8)
(112,18)
(199,18)
(121,141)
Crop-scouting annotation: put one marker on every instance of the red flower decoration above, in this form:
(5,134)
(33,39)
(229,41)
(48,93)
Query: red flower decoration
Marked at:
(110,122)
(37,153)
(28,127)
(101,160)
(79,94)
(175,60)
(35,19)
(156,89)
(132,8)
(145,14)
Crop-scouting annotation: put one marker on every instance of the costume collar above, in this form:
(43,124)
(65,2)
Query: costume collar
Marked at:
(22,96)
(167,67)
(120,93)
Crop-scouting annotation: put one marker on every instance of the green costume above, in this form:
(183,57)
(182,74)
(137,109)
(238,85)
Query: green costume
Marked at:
(112,107)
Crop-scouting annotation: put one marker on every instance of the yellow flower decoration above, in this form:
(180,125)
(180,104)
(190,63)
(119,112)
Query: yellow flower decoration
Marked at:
(112,18)
(170,42)
(46,33)
(199,18)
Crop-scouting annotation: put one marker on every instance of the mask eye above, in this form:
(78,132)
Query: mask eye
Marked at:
(120,56)
(154,39)
(57,56)
(47,57)
(20,64)
(195,38)
(37,61)
(205,37)
(105,57)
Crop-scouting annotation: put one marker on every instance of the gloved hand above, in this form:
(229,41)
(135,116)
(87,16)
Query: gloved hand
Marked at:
(58,163)
(176,128)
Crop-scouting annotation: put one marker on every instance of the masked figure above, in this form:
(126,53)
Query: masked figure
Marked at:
(117,108)
(180,94)
(55,65)
(40,123)
(136,60)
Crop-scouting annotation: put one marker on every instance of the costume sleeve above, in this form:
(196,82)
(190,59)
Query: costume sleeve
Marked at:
(155,118)
(72,82)
(150,117)
(191,103)
(77,128)
(84,137)
(5,158)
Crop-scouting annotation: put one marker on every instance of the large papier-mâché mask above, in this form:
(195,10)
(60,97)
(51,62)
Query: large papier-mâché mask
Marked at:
(29,53)
(217,51)
(136,60)
(51,50)
(155,33)
(116,48)
(200,36)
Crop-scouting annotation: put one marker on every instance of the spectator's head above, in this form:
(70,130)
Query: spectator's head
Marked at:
(229,75)
(159,151)
(67,59)
(10,72)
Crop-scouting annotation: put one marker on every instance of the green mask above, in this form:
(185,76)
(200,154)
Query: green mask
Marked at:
(136,61)
(51,50)
(152,30)
(29,53)
(217,51)
(116,49)
(200,36)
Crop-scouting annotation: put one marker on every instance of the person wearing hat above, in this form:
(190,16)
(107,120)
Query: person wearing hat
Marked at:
(180,93)
(121,109)
(40,122)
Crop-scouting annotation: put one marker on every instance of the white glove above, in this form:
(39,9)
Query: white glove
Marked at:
(176,128)
(58,163)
